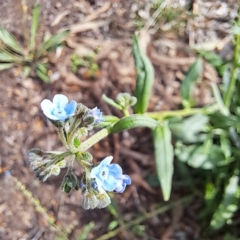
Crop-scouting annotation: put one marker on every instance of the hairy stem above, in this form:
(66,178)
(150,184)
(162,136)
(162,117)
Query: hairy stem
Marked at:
(181,113)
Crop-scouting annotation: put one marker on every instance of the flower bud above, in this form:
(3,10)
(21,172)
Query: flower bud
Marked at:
(70,182)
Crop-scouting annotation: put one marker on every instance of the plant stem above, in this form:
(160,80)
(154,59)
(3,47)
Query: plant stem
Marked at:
(140,219)
(125,112)
(117,126)
(181,113)
(231,85)
(95,138)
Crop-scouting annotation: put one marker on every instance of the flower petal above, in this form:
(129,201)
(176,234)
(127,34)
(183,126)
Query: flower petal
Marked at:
(60,101)
(120,186)
(71,107)
(115,170)
(126,179)
(47,106)
(106,161)
(110,184)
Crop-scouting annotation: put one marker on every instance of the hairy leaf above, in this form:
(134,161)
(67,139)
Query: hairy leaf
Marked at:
(134,121)
(145,77)
(188,82)
(164,157)
(229,204)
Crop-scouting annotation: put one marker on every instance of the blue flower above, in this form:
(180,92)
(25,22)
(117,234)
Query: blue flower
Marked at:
(59,109)
(97,114)
(109,176)
(122,183)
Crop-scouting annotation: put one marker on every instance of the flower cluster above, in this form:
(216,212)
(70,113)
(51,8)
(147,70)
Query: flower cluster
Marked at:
(73,122)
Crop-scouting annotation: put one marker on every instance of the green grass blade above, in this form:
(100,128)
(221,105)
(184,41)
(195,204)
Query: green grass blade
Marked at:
(145,78)
(164,157)
(35,22)
(188,82)
(4,66)
(52,43)
(6,57)
(42,72)
(10,41)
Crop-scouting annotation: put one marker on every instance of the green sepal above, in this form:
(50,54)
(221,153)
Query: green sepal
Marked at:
(85,158)
(70,181)
(45,164)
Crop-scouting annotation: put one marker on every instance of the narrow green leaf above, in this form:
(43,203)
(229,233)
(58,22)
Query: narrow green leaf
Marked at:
(219,100)
(229,204)
(42,72)
(6,57)
(26,71)
(107,121)
(188,82)
(35,21)
(52,43)
(145,77)
(10,41)
(134,121)
(4,66)
(164,157)
(214,60)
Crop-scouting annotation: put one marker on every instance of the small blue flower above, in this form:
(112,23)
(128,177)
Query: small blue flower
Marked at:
(59,109)
(97,114)
(122,183)
(109,176)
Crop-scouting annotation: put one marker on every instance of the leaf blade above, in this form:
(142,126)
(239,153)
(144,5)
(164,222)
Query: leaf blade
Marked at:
(145,77)
(164,157)
(188,82)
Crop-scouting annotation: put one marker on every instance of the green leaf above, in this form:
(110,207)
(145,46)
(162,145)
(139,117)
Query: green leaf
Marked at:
(188,130)
(52,43)
(188,82)
(207,156)
(4,66)
(76,142)
(113,224)
(215,60)
(10,41)
(164,157)
(35,21)
(134,121)
(107,121)
(86,231)
(42,72)
(219,100)
(224,122)
(6,57)
(229,204)
(26,71)
(145,77)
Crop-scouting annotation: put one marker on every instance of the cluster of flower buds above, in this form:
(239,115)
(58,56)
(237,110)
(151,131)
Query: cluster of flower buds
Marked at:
(73,122)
